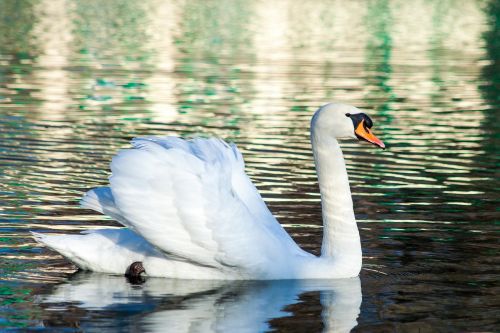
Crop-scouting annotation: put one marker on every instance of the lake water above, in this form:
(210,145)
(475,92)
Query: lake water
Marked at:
(79,79)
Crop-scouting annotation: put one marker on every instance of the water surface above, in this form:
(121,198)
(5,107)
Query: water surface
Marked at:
(79,79)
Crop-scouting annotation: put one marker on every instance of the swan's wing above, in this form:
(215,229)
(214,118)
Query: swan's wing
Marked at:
(192,199)
(101,200)
(241,184)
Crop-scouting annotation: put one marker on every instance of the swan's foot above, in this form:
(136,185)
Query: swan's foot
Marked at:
(134,271)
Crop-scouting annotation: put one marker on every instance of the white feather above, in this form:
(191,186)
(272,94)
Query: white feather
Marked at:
(181,197)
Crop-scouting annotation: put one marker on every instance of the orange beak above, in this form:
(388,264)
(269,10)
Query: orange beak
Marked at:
(366,134)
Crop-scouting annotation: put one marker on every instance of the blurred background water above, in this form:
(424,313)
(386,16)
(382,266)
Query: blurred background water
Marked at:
(79,79)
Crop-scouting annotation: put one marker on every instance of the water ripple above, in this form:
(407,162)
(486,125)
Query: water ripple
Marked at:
(78,80)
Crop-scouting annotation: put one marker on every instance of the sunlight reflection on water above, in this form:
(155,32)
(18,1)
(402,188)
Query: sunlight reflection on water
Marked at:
(79,79)
(207,306)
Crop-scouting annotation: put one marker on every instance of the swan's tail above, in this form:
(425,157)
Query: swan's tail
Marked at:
(59,243)
(104,250)
(38,237)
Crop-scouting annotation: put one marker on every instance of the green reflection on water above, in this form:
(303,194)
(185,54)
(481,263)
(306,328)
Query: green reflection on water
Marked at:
(378,57)
(491,74)
(116,23)
(17,20)
(252,72)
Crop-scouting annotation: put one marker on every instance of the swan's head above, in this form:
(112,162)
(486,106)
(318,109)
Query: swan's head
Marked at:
(344,121)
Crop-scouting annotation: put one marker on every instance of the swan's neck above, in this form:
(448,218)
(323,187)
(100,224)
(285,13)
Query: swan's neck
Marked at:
(340,232)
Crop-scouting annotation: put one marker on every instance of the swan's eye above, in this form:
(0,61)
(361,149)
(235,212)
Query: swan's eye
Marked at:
(347,114)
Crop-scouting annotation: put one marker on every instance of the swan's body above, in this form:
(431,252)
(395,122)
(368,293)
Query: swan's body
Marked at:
(191,212)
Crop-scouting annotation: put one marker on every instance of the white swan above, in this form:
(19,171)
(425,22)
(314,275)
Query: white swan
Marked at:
(191,212)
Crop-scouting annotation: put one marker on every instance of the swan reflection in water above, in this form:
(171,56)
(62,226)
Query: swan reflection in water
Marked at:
(160,305)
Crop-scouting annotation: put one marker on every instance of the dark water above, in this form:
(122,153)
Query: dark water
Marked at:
(79,79)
